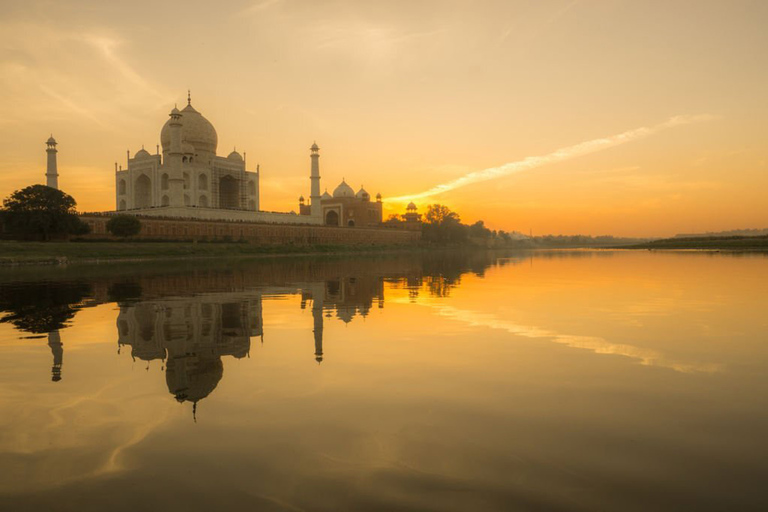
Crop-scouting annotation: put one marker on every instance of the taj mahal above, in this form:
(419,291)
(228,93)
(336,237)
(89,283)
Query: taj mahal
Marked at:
(189,180)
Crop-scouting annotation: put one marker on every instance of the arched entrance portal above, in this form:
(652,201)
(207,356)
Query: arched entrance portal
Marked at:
(229,192)
(332,218)
(143,192)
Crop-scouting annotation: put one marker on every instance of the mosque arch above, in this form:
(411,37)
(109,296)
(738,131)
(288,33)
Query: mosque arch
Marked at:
(143,192)
(332,218)
(351,223)
(165,201)
(121,187)
(187,200)
(122,205)
(186,180)
(203,201)
(184,160)
(164,181)
(229,192)
(202,182)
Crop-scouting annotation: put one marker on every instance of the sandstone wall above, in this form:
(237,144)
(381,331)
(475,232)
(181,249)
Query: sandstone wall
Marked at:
(255,232)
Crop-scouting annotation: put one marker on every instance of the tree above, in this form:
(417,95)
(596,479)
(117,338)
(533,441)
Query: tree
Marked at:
(124,225)
(394,220)
(443,225)
(479,230)
(41,211)
(439,215)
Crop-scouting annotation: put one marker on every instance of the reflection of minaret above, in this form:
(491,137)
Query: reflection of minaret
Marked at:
(54,341)
(317,315)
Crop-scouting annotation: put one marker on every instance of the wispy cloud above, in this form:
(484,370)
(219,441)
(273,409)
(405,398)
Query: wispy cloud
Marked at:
(561,155)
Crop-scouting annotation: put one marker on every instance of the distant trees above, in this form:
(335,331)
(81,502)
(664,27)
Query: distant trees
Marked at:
(394,221)
(124,225)
(441,225)
(40,211)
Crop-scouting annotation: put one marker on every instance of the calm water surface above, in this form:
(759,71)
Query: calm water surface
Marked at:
(552,381)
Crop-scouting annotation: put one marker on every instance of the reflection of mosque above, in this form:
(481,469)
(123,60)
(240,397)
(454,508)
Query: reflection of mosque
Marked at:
(192,334)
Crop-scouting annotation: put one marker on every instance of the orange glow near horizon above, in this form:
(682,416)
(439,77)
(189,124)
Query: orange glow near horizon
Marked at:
(557,117)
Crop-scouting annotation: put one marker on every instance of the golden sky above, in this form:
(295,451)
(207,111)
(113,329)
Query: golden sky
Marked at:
(564,116)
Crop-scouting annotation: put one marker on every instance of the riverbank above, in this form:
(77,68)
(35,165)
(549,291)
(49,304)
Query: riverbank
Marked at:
(14,253)
(711,243)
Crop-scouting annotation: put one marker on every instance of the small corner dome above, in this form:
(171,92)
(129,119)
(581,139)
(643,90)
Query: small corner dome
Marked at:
(411,206)
(326,195)
(301,198)
(142,153)
(314,146)
(343,190)
(51,140)
(378,196)
(235,156)
(362,194)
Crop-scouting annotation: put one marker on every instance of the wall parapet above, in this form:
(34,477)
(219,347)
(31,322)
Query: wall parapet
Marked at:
(174,228)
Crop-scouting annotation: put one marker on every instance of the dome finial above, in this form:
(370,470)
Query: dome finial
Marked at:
(189,97)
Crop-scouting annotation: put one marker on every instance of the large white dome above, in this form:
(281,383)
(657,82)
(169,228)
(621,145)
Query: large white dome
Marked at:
(343,190)
(195,130)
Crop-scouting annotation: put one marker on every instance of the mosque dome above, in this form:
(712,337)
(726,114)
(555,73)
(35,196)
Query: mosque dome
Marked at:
(362,194)
(142,153)
(195,129)
(234,155)
(343,190)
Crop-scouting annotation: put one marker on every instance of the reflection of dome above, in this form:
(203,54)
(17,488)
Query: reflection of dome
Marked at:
(343,190)
(235,156)
(142,153)
(192,378)
(195,129)
(362,194)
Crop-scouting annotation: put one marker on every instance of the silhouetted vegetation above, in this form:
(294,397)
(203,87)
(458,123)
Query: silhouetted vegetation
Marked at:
(41,212)
(124,225)
(726,243)
(41,307)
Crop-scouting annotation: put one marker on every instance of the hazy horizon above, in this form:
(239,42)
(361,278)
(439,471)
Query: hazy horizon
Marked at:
(565,117)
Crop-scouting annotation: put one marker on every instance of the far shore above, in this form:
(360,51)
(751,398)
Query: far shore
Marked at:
(708,243)
(18,253)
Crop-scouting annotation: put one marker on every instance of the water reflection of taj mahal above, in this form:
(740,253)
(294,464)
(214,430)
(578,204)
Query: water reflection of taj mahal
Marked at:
(192,334)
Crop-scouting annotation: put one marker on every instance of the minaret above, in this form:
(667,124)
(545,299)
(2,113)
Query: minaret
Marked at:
(175,178)
(314,196)
(52,173)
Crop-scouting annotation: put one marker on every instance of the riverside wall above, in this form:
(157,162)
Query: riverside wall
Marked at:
(153,227)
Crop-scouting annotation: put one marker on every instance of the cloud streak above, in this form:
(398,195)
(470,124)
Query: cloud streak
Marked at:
(560,155)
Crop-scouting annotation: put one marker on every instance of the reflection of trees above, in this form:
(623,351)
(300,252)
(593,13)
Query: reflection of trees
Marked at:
(441,272)
(41,307)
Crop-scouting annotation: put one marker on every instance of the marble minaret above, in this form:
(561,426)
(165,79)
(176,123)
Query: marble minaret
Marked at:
(314,196)
(52,172)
